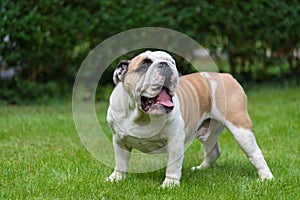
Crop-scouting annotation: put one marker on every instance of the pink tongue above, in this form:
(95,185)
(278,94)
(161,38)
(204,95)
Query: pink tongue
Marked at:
(164,99)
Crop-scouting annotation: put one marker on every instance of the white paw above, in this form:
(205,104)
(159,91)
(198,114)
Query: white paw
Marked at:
(116,176)
(265,175)
(204,165)
(169,183)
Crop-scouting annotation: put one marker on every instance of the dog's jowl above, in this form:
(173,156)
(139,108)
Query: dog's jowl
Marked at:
(148,89)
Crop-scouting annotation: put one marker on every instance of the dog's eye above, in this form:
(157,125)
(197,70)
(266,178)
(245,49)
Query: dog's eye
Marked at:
(144,65)
(148,61)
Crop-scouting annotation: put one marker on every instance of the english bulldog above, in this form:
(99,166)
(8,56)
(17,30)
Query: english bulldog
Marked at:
(154,110)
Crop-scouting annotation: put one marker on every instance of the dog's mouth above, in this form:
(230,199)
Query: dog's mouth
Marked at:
(163,99)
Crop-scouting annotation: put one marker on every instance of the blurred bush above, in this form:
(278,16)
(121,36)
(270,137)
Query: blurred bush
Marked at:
(48,40)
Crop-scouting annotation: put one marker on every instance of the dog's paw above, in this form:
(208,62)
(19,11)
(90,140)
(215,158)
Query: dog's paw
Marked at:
(265,175)
(204,165)
(116,176)
(169,183)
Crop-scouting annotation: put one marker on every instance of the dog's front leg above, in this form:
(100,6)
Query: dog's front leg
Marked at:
(175,150)
(122,156)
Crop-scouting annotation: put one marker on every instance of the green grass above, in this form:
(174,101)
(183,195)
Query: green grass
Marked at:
(42,157)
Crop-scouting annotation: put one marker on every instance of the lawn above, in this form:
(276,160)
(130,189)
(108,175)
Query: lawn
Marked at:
(42,157)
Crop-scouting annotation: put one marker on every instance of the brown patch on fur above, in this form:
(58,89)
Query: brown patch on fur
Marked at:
(193,92)
(131,76)
(231,100)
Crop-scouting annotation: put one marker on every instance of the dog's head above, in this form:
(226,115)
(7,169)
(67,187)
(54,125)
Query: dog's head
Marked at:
(151,78)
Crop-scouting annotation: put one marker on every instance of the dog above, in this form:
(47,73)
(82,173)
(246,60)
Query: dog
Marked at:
(153,109)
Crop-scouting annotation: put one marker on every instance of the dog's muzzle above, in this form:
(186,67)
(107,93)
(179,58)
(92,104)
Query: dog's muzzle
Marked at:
(157,97)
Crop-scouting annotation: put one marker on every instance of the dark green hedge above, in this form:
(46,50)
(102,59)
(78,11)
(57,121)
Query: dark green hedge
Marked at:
(49,39)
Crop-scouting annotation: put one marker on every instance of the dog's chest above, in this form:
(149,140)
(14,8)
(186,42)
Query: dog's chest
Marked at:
(154,144)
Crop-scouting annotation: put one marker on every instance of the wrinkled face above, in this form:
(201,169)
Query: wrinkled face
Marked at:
(151,78)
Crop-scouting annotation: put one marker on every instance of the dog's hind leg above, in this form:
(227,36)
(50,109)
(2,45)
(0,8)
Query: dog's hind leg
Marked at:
(208,134)
(238,121)
(246,140)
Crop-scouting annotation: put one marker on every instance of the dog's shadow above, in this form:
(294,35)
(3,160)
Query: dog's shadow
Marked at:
(226,170)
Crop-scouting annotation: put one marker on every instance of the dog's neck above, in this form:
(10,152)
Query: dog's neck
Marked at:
(140,118)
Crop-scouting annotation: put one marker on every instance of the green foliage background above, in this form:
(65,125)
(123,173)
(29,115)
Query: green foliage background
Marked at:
(49,39)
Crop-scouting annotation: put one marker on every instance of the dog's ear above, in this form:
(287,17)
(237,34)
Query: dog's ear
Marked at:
(120,71)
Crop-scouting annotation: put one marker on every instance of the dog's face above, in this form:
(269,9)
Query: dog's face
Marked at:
(151,79)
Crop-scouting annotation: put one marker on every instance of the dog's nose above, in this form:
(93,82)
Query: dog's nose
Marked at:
(163,64)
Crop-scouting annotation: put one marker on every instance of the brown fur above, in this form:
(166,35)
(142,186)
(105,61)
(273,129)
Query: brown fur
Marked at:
(230,98)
